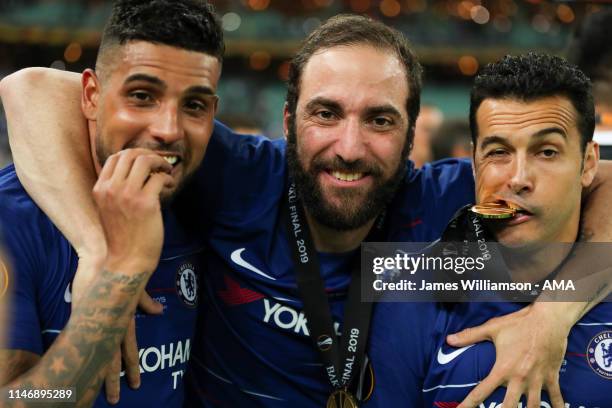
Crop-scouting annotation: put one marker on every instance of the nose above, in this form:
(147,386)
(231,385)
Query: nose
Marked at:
(166,126)
(350,146)
(521,178)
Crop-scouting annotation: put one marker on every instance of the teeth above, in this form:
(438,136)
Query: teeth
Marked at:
(171,159)
(347,176)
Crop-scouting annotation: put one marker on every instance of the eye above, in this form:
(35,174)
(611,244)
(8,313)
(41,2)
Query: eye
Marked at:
(196,105)
(325,115)
(496,153)
(382,121)
(548,153)
(140,96)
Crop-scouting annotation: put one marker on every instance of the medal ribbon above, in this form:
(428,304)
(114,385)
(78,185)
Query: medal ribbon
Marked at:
(466,229)
(341,361)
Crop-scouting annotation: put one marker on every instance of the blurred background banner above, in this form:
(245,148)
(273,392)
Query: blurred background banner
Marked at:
(453,39)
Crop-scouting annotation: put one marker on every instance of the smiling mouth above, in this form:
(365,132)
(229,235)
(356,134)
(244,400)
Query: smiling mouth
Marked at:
(342,176)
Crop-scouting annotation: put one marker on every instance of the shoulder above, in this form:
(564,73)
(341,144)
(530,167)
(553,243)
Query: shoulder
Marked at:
(438,179)
(41,263)
(30,237)
(239,174)
(246,149)
(15,200)
(18,212)
(429,197)
(445,174)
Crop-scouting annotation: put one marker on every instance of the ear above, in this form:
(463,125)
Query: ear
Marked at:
(90,95)
(286,115)
(590,164)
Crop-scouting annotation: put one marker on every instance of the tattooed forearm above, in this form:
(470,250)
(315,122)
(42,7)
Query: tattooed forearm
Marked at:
(81,353)
(14,363)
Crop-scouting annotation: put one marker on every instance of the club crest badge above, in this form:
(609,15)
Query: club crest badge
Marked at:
(187,285)
(599,354)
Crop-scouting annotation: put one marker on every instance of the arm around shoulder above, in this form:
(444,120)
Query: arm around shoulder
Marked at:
(51,150)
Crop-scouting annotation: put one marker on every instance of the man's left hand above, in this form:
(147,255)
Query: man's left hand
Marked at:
(530,346)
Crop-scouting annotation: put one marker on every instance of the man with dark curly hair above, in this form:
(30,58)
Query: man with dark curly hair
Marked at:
(532,120)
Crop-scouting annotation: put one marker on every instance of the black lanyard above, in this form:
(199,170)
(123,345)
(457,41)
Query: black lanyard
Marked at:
(343,357)
(469,234)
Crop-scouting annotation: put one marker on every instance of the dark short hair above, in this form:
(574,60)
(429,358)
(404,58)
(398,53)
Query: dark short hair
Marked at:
(188,24)
(346,30)
(534,76)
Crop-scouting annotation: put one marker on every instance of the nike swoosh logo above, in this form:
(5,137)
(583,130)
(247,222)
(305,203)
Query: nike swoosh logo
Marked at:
(67,294)
(236,257)
(447,358)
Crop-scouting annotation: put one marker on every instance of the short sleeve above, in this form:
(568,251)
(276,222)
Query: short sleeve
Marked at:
(23,324)
(25,232)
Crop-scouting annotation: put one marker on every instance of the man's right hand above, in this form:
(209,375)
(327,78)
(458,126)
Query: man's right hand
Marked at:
(127,195)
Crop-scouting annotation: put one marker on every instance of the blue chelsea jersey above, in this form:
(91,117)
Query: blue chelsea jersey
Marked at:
(421,370)
(252,345)
(44,266)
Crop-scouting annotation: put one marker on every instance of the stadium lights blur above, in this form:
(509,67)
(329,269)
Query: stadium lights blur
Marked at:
(360,6)
(231,21)
(260,60)
(390,8)
(73,52)
(468,65)
(283,71)
(464,9)
(565,13)
(480,15)
(259,5)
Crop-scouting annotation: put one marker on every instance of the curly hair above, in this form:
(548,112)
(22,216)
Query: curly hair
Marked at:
(534,76)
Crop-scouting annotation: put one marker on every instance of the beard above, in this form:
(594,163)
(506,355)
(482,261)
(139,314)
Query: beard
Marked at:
(357,208)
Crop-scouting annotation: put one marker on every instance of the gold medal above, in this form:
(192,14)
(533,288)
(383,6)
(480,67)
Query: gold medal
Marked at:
(341,399)
(493,211)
